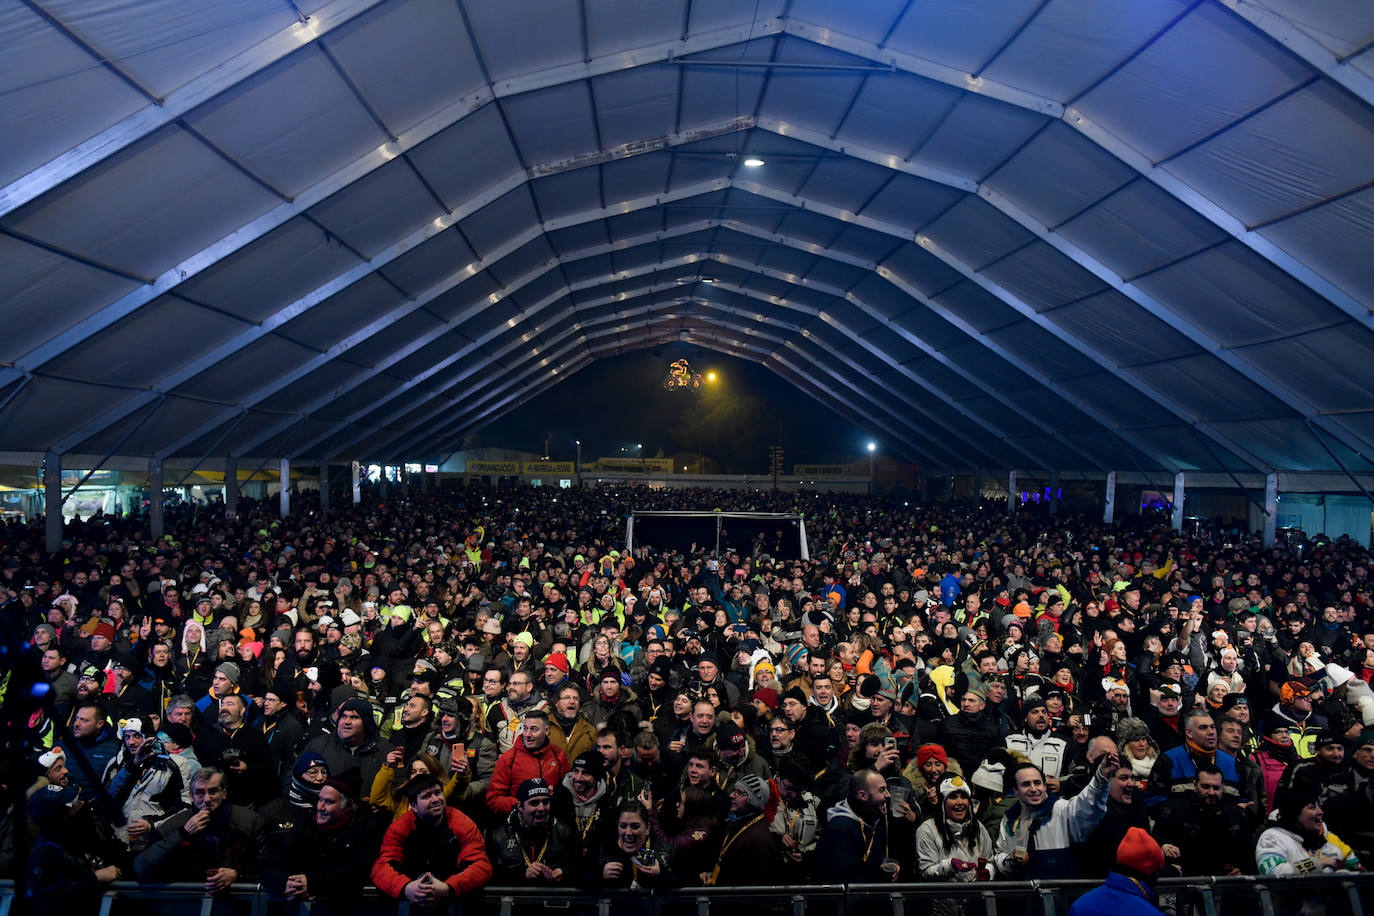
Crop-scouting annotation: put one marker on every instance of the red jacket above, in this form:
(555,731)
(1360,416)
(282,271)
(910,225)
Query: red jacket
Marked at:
(516,765)
(471,871)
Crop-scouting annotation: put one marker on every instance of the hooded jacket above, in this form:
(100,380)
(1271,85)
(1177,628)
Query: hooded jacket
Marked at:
(1049,831)
(366,757)
(850,849)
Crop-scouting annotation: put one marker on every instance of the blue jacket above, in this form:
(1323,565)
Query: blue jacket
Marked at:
(1118,896)
(1174,771)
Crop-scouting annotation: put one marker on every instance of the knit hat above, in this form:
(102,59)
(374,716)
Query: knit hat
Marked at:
(1293,691)
(794,693)
(349,783)
(795,654)
(557,660)
(1140,853)
(755,787)
(592,762)
(230,671)
(104,628)
(131,726)
(1131,729)
(524,639)
(176,733)
(533,788)
(1111,683)
(729,737)
(350,617)
(951,783)
(927,751)
(766,695)
(1327,737)
(307,760)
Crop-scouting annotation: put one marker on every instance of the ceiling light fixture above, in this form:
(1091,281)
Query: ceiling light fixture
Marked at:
(753,162)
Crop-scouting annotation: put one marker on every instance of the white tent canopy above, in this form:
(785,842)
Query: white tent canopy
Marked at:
(1048,234)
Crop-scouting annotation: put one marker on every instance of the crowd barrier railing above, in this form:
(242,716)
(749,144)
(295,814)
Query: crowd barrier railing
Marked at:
(1319,895)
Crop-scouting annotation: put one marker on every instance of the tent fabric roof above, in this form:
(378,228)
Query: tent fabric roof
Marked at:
(1050,234)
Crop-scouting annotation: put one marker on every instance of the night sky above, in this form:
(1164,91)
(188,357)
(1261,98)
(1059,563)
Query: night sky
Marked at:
(618,402)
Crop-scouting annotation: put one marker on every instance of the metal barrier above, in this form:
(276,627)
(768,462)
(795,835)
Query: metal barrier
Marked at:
(1331,895)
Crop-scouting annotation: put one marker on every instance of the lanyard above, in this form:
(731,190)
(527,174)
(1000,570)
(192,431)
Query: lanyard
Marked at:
(539,857)
(715,872)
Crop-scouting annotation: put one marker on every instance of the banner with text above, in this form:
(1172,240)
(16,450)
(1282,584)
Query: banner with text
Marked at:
(493,467)
(548,467)
(664,465)
(820,470)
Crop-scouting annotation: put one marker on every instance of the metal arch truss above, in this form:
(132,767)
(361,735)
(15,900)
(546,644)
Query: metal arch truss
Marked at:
(538,359)
(649,334)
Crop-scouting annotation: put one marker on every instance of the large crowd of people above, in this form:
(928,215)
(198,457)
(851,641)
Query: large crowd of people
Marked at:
(435,692)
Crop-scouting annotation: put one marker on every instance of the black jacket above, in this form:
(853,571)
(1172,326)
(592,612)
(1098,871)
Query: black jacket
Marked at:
(336,863)
(509,845)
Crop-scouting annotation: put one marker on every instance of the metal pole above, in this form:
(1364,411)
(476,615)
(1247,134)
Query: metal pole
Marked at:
(285,481)
(155,526)
(1054,492)
(356,485)
(1178,501)
(1109,510)
(1011,492)
(977,485)
(324,486)
(949,484)
(52,501)
(1271,507)
(231,486)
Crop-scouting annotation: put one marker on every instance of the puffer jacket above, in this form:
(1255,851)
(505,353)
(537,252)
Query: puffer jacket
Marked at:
(1068,821)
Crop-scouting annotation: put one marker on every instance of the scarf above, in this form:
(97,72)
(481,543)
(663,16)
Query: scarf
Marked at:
(301,794)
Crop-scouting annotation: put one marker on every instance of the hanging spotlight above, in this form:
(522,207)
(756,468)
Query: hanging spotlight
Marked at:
(753,162)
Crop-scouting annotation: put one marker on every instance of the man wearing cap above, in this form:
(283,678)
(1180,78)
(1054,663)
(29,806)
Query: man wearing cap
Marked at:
(530,847)
(709,675)
(1294,708)
(1038,743)
(1325,767)
(354,743)
(737,758)
(326,858)
(613,704)
(1349,801)
(748,856)
(556,675)
(580,800)
(67,864)
(143,781)
(1166,727)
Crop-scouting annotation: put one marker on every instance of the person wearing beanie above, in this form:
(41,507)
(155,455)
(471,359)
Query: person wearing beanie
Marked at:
(530,847)
(354,742)
(1325,767)
(1037,741)
(929,764)
(582,800)
(1138,749)
(1299,843)
(1129,888)
(327,857)
(555,676)
(951,845)
(224,682)
(747,856)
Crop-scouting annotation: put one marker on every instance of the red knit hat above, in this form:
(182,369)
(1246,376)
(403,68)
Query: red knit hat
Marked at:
(106,629)
(1140,853)
(557,660)
(927,751)
(768,696)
